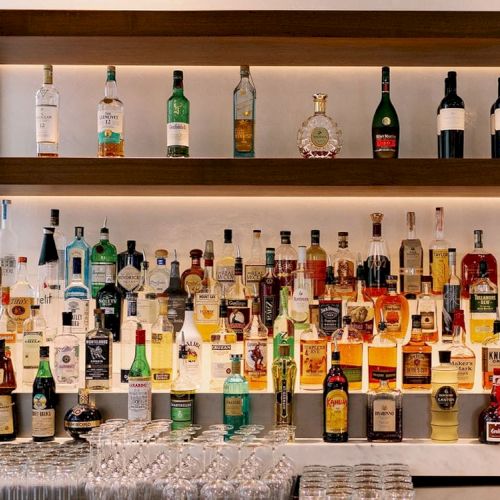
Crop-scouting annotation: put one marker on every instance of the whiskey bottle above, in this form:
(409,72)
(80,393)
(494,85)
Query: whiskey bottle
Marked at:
(83,417)
(47,116)
(191,278)
(330,305)
(284,372)
(411,260)
(34,336)
(461,355)
(162,339)
(427,308)
(377,263)
(244,96)
(283,328)
(129,268)
(269,292)
(102,262)
(236,397)
(344,267)
(99,355)
(178,119)
(451,297)
(77,298)
(8,422)
(255,267)
(139,382)
(495,126)
(361,308)
(21,295)
(438,255)
(285,260)
(489,419)
(224,269)
(316,264)
(313,358)
(491,355)
(176,296)
(350,345)
(78,248)
(382,358)
(417,358)
(66,354)
(8,247)
(237,300)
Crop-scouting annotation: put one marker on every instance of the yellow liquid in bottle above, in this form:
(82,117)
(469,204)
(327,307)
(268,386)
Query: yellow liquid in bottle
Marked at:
(161,359)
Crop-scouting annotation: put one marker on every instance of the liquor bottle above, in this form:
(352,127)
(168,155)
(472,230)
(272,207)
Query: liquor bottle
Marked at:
(236,398)
(139,382)
(83,417)
(255,267)
(344,266)
(67,354)
(483,305)
(490,351)
(102,261)
(244,96)
(159,276)
(78,248)
(127,338)
(255,350)
(377,263)
(34,333)
(451,297)
(361,308)
(43,415)
(438,255)
(8,327)
(222,344)
(77,298)
(444,400)
(21,295)
(61,244)
(224,268)
(269,293)
(384,419)
(427,308)
(489,418)
(284,372)
(330,305)
(316,263)
(110,119)
(176,296)
(461,355)
(283,327)
(471,260)
(182,393)
(191,278)
(495,126)
(302,295)
(385,124)
(8,247)
(129,268)
(350,345)
(417,358)
(319,136)
(206,301)
(193,342)
(392,308)
(335,403)
(237,300)
(178,119)
(47,116)
(446,87)
(109,299)
(451,121)
(411,261)
(98,355)
(147,305)
(162,339)
(313,358)
(382,358)
(8,427)
(285,260)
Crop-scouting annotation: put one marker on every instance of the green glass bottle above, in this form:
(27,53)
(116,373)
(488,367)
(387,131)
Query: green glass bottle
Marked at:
(236,397)
(178,120)
(283,328)
(139,382)
(284,373)
(102,262)
(244,115)
(385,125)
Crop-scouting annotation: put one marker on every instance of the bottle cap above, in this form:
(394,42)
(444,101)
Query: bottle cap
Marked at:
(335,356)
(209,250)
(315,235)
(496,326)
(444,356)
(284,350)
(49,230)
(426,279)
(83,396)
(196,253)
(54,216)
(22,260)
(44,351)
(2,345)
(140,336)
(236,357)
(161,253)
(130,246)
(360,273)
(228,235)
(178,74)
(67,318)
(35,307)
(189,306)
(346,320)
(382,327)
(342,233)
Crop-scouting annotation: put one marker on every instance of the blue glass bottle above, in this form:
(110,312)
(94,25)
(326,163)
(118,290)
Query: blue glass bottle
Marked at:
(236,397)
(78,248)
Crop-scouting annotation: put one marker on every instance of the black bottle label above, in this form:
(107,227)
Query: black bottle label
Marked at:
(446,397)
(97,358)
(451,302)
(330,315)
(376,270)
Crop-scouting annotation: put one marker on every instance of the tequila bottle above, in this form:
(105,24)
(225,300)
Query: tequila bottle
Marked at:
(377,263)
(61,243)
(67,354)
(34,332)
(411,260)
(313,358)
(461,355)
(382,358)
(102,261)
(109,299)
(283,328)
(129,268)
(78,248)
(236,397)
(159,277)
(99,356)
(21,295)
(269,293)
(344,267)
(350,345)
(451,297)
(162,338)
(178,119)
(176,296)
(127,339)
(417,358)
(255,266)
(427,308)
(438,255)
(8,427)
(491,355)
(244,115)
(361,308)
(191,278)
(237,300)
(316,263)
(285,260)
(284,372)
(77,298)
(193,342)
(224,269)
(302,294)
(139,382)
(47,116)
(8,247)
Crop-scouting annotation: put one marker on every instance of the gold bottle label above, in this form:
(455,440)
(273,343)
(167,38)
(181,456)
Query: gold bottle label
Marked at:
(233,406)
(439,269)
(19,310)
(6,415)
(336,408)
(384,415)
(313,358)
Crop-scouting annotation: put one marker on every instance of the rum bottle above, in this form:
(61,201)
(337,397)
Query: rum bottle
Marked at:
(237,300)
(377,263)
(451,297)
(284,372)
(192,341)
(47,116)
(489,419)
(313,358)
(139,382)
(361,308)
(8,427)
(427,308)
(244,96)
(178,119)
(269,292)
(255,267)
(438,255)
(236,397)
(417,358)
(316,264)
(461,355)
(411,260)
(491,355)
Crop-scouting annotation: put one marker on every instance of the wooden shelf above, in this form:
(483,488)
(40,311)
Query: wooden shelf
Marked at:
(248,177)
(307,38)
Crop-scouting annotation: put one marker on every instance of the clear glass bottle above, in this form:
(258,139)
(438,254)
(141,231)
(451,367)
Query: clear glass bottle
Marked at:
(236,398)
(61,244)
(462,356)
(78,248)
(99,356)
(139,382)
(224,268)
(47,116)
(237,300)
(382,358)
(255,267)
(344,267)
(67,354)
(102,261)
(411,261)
(451,297)
(377,263)
(427,308)
(491,355)
(269,293)
(191,278)
(77,299)
(313,358)
(302,295)
(361,308)
(147,305)
(316,263)
(162,339)
(285,260)
(284,372)
(283,328)
(21,295)
(159,276)
(244,96)
(8,247)
(178,119)
(193,342)
(438,255)
(176,296)
(34,332)
(319,136)
(350,345)
(417,358)
(127,340)
(110,113)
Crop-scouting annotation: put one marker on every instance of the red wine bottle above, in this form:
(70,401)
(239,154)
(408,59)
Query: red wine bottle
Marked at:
(495,126)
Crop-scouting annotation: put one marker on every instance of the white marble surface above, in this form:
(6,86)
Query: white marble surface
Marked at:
(458,493)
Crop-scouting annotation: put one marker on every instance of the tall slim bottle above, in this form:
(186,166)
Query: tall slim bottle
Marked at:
(8,427)
(284,373)
(102,261)
(139,382)
(244,115)
(192,341)
(47,116)
(236,402)
(285,261)
(109,299)
(8,247)
(77,299)
(361,308)
(269,293)
(411,261)
(302,295)
(162,339)
(78,248)
(237,300)
(61,243)
(21,295)
(438,255)
(377,263)
(451,296)
(176,296)
(344,267)
(224,268)
(178,119)
(385,124)
(34,335)
(283,328)
(495,126)
(255,267)
(316,263)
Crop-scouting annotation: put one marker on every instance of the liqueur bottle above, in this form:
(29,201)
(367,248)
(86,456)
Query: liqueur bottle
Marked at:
(77,298)
(129,268)
(284,372)
(451,297)
(283,328)
(159,277)
(139,382)
(316,264)
(236,397)
(350,345)
(377,263)
(147,305)
(471,261)
(43,416)
(361,308)
(302,294)
(47,116)
(427,308)
(61,243)
(98,355)
(8,427)
(491,355)
(176,296)
(78,248)
(269,293)
(127,337)
(191,278)
(444,400)
(335,403)
(255,350)
(109,299)
(382,358)
(285,260)
(411,261)
(313,358)
(244,96)
(438,255)
(34,333)
(489,418)
(178,119)
(8,247)
(193,342)
(344,267)
(237,300)
(495,126)
(67,354)
(451,121)
(162,339)
(319,136)
(330,306)
(21,295)
(83,417)
(102,261)
(461,355)
(417,358)
(385,124)
(255,267)
(7,324)
(110,113)
(224,269)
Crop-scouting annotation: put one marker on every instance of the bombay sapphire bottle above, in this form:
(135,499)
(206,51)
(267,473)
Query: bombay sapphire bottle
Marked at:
(78,248)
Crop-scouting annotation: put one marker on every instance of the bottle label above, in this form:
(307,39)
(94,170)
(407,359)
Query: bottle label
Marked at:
(178,134)
(330,315)
(491,358)
(320,137)
(80,310)
(353,373)
(97,359)
(47,123)
(233,406)
(386,142)
(428,321)
(176,308)
(146,310)
(238,315)
(483,302)
(31,349)
(284,401)
(439,268)
(446,397)
(6,414)
(377,268)
(451,302)
(129,278)
(417,368)
(139,398)
(496,121)
(493,432)
(193,283)
(283,269)
(225,275)
(181,410)
(221,361)
(158,281)
(66,363)
(318,270)
(19,310)
(8,269)
(384,415)
(313,358)
(243,133)
(43,418)
(466,369)
(300,305)
(206,308)
(100,270)
(253,274)
(269,310)
(344,270)
(109,126)
(377,372)
(451,119)
(362,319)
(336,411)
(393,316)
(256,358)
(193,360)
(411,272)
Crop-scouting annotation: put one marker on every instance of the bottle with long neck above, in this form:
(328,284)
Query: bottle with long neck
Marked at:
(129,268)
(8,327)
(411,260)
(461,355)
(8,247)
(350,346)
(427,308)
(193,341)
(102,261)
(330,305)
(162,338)
(139,382)
(176,296)
(159,276)
(491,355)
(34,335)
(21,295)
(77,299)
(451,121)
(283,328)
(47,116)
(255,266)
(451,297)
(244,115)
(302,295)
(109,299)
(495,126)
(237,300)
(191,278)
(285,260)
(61,243)
(127,338)
(438,255)
(78,248)
(377,263)
(269,293)
(147,305)
(284,373)
(67,354)
(316,263)
(417,358)
(224,268)
(8,427)
(489,419)
(178,119)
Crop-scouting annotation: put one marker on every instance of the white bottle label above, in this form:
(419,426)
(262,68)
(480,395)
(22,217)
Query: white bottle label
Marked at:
(6,415)
(193,361)
(31,349)
(221,361)
(496,121)
(139,398)
(384,415)
(66,363)
(451,119)
(47,124)
(8,270)
(80,310)
(43,422)
(129,278)
(100,271)
(178,134)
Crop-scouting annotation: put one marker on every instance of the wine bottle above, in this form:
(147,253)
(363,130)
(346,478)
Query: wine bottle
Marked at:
(495,126)
(8,427)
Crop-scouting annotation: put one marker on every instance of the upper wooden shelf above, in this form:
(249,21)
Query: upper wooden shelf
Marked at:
(286,38)
(248,177)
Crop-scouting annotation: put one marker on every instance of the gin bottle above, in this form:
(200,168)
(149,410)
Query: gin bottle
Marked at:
(129,268)
(78,248)
(67,354)
(244,115)
(109,299)
(99,355)
(8,247)
(127,338)
(178,119)
(236,397)
(47,116)
(139,382)
(411,260)
(102,261)
(77,299)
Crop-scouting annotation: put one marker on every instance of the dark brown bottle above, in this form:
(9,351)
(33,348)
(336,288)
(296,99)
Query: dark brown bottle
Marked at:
(269,293)
(8,427)
(83,417)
